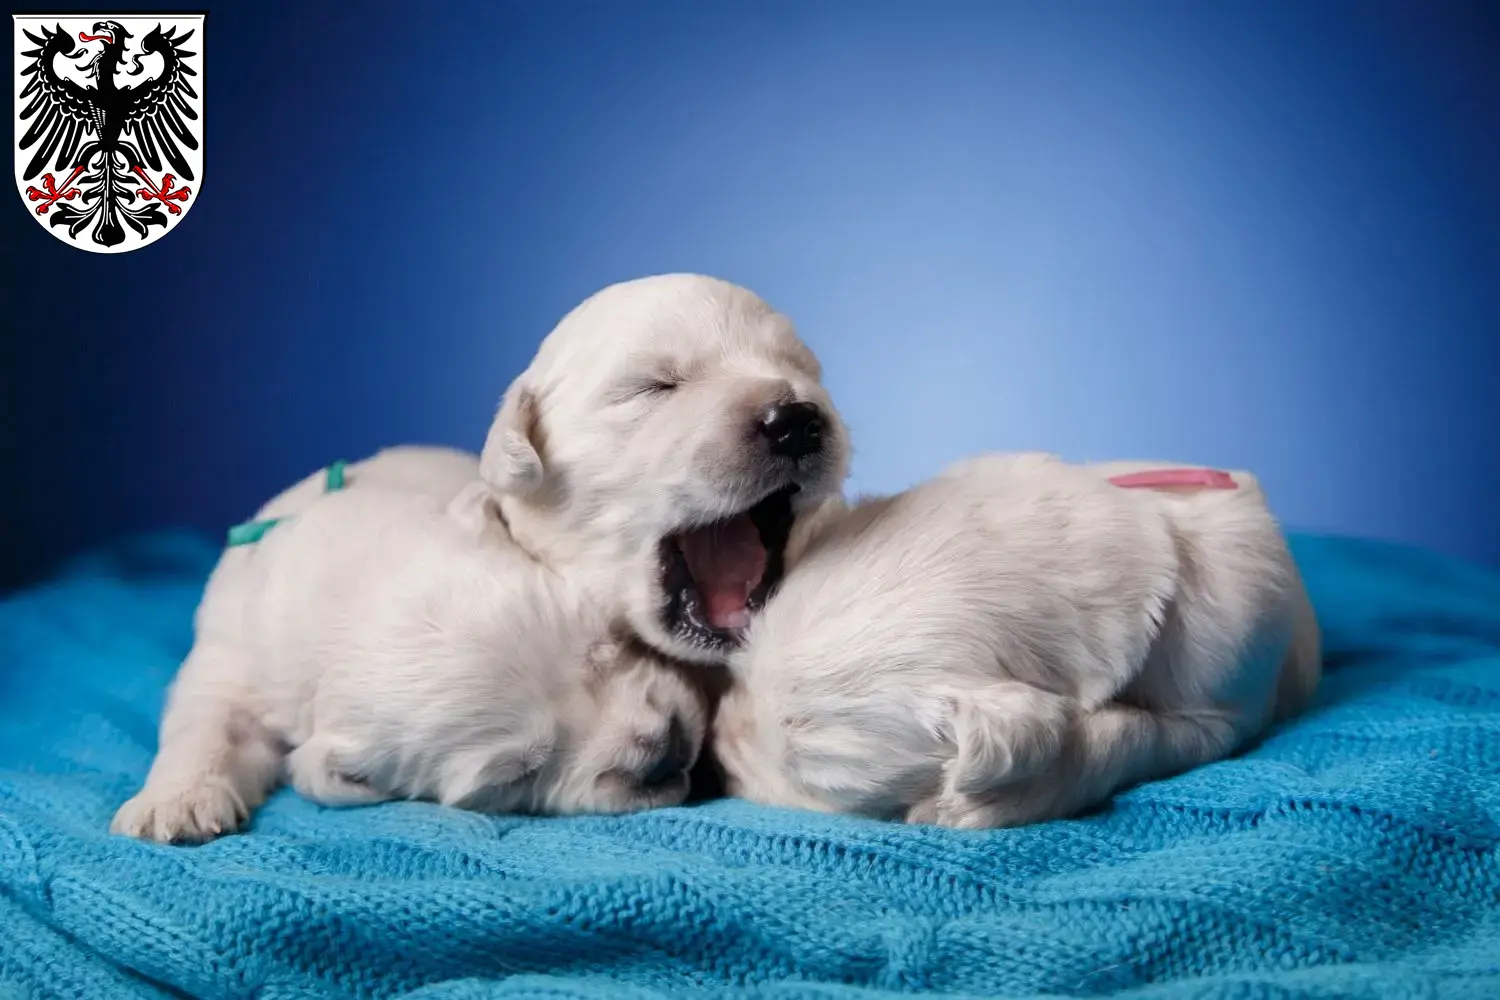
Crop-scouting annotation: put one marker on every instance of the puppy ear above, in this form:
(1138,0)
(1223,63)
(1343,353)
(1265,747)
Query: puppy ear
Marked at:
(509,462)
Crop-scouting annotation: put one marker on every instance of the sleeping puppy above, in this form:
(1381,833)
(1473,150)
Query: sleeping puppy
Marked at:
(658,451)
(389,640)
(654,456)
(1014,641)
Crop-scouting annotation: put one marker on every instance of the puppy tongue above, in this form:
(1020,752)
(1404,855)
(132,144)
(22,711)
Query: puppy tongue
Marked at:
(727,561)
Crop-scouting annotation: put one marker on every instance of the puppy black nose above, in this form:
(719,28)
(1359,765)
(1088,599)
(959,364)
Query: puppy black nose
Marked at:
(677,757)
(794,430)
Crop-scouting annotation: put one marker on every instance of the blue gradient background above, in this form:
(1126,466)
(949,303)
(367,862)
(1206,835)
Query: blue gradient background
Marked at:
(1259,234)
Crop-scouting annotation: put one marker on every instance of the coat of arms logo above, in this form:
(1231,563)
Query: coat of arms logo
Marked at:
(109,124)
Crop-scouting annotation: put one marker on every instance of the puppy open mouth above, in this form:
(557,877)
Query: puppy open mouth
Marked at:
(717,575)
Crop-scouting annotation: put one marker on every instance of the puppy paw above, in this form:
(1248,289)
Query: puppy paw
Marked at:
(183,815)
(318,773)
(924,813)
(959,811)
(1004,734)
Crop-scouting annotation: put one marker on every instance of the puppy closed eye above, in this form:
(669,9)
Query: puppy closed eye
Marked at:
(650,386)
(658,386)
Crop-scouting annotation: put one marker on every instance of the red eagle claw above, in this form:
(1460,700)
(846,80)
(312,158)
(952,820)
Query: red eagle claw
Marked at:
(163,194)
(53,194)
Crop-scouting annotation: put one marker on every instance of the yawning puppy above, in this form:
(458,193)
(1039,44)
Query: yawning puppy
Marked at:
(659,449)
(1014,641)
(379,635)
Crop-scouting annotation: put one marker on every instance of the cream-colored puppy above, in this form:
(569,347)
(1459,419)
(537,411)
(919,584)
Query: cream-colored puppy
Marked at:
(1014,641)
(389,640)
(658,450)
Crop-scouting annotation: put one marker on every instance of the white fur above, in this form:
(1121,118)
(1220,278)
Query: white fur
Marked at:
(391,641)
(1014,641)
(595,463)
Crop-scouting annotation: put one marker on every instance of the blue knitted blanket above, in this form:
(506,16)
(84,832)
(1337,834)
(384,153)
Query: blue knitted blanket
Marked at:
(1351,855)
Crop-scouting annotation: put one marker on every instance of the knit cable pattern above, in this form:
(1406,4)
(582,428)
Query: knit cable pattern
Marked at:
(1352,854)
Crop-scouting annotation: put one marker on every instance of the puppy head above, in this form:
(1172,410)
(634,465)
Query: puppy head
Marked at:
(629,737)
(661,445)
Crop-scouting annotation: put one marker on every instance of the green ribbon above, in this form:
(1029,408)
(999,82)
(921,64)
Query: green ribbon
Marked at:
(251,532)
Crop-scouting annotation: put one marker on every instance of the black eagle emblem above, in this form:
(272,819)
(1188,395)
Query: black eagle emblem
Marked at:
(108,132)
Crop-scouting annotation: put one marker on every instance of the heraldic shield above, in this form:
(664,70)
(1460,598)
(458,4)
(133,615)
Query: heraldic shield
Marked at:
(109,124)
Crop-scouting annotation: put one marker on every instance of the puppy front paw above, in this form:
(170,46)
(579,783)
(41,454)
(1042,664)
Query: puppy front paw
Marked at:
(181,815)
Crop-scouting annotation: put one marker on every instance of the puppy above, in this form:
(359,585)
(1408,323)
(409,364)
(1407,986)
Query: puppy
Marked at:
(658,451)
(387,639)
(1014,641)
